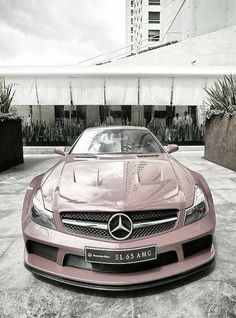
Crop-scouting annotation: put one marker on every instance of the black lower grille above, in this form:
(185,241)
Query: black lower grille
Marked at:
(103,217)
(45,251)
(196,246)
(79,262)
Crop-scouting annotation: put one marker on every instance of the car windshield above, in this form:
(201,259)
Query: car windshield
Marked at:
(116,141)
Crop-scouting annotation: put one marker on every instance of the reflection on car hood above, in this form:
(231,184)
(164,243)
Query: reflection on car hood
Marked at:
(118,185)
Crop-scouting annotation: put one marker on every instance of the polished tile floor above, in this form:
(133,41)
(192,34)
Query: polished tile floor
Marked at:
(23,295)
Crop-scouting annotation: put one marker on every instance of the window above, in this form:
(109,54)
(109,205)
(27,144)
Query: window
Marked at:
(132,3)
(132,29)
(153,35)
(154,17)
(154,2)
(132,12)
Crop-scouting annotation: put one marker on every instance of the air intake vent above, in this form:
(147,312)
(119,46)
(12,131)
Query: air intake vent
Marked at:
(196,246)
(45,251)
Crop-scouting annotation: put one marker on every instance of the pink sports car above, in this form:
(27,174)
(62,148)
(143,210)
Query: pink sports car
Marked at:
(118,212)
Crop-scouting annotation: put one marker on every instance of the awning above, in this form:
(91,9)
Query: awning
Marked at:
(121,91)
(155,91)
(25,93)
(189,91)
(53,91)
(87,91)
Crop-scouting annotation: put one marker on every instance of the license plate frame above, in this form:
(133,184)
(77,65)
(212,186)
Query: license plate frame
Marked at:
(120,256)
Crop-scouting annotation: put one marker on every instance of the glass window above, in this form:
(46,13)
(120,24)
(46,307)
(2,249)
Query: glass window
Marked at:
(153,35)
(154,17)
(154,2)
(116,141)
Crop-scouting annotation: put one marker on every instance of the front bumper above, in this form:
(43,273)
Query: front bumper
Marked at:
(70,244)
(202,269)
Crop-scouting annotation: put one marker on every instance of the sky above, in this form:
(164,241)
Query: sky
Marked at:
(59,32)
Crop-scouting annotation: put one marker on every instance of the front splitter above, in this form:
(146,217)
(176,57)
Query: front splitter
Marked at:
(201,269)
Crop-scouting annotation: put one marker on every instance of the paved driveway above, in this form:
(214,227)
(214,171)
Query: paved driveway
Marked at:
(23,295)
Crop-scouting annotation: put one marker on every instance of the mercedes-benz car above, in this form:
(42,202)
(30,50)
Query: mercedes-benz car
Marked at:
(118,212)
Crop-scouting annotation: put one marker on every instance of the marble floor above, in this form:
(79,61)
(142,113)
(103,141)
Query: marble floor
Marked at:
(23,295)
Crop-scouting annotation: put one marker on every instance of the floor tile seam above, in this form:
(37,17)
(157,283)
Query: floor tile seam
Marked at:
(15,236)
(10,245)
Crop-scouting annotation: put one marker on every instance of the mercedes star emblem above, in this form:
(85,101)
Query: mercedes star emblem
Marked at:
(120,226)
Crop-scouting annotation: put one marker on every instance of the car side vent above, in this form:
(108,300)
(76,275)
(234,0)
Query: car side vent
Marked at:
(45,251)
(196,246)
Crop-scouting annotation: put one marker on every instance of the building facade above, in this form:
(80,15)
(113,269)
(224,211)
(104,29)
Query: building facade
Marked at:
(150,22)
(143,23)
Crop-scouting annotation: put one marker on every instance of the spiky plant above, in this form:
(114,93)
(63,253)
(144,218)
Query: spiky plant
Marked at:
(222,96)
(6,97)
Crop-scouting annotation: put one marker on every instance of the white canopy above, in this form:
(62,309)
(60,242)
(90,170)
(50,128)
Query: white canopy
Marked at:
(155,91)
(121,91)
(87,91)
(189,91)
(53,91)
(25,92)
(110,86)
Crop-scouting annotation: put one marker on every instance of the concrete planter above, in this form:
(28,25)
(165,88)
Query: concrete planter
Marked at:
(11,148)
(220,141)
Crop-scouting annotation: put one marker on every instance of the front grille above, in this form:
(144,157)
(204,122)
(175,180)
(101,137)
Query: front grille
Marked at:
(103,217)
(79,262)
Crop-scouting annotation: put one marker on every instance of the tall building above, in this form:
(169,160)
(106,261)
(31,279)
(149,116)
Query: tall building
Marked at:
(143,23)
(151,21)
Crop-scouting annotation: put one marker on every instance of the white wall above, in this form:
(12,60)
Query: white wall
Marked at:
(212,15)
(197,17)
(179,30)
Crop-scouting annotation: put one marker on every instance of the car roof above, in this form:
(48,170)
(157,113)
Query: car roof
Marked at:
(117,127)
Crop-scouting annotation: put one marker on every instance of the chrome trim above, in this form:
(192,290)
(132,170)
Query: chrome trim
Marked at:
(104,226)
(152,223)
(96,225)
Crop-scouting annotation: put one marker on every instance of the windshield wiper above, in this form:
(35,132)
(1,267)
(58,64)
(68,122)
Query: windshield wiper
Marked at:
(148,155)
(84,155)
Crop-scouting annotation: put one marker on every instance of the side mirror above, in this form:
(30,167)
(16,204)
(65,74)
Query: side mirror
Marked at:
(60,151)
(172,148)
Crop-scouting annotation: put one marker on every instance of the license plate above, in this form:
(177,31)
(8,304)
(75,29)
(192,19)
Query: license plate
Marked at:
(120,256)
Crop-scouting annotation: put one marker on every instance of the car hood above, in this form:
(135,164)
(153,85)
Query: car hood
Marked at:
(118,184)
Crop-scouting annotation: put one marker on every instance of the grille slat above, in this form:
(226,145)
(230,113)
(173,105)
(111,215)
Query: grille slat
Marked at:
(103,217)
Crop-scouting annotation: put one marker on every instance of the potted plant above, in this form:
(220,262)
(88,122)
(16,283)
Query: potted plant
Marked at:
(220,124)
(10,130)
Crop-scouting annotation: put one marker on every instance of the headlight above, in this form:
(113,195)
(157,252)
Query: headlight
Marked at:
(199,208)
(39,214)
